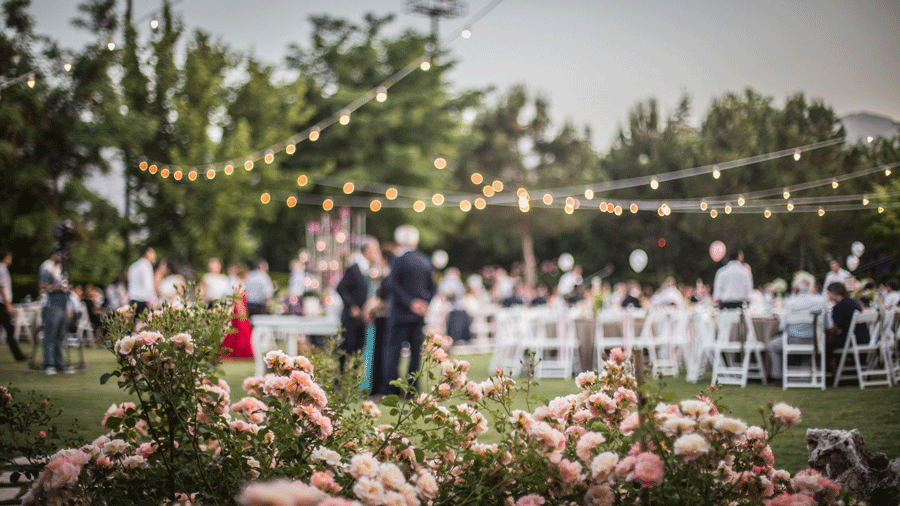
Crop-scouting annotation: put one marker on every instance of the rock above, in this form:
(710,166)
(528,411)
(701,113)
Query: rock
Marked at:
(842,457)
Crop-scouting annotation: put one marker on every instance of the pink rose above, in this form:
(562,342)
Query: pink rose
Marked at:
(648,469)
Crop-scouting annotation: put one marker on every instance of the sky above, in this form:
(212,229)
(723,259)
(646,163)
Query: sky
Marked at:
(595,59)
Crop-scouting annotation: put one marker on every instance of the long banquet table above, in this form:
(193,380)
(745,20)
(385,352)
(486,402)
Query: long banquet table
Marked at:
(268,329)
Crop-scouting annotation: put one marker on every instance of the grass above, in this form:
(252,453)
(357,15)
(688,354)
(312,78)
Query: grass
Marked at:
(873,411)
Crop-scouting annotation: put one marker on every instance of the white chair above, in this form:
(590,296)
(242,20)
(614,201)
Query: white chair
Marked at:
(737,354)
(554,342)
(811,372)
(656,338)
(890,337)
(508,341)
(613,330)
(870,359)
(702,345)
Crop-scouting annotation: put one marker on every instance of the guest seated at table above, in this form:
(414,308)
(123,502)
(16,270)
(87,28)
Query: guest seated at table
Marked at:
(892,297)
(631,300)
(841,314)
(668,294)
(802,303)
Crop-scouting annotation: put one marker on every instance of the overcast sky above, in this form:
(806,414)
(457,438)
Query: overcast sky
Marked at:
(594,59)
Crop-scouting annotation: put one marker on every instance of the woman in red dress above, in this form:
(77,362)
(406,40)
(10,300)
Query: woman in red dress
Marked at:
(241,341)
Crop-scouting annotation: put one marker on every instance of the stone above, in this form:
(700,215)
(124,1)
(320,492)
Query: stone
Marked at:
(842,457)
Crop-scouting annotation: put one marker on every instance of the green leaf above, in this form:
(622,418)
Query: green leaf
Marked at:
(390,401)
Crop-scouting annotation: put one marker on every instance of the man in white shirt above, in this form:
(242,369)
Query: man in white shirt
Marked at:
(259,289)
(802,303)
(141,284)
(835,275)
(733,283)
(6,305)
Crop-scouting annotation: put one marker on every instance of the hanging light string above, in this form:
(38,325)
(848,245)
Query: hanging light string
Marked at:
(312,133)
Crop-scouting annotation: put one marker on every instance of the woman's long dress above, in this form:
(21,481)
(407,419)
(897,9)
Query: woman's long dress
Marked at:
(240,341)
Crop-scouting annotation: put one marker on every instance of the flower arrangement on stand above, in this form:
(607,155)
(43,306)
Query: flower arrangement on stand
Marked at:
(293,440)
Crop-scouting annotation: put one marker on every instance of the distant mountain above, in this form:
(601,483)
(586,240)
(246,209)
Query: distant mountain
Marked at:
(861,125)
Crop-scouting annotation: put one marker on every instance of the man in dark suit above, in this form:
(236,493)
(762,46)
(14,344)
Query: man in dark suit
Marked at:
(841,314)
(410,286)
(355,288)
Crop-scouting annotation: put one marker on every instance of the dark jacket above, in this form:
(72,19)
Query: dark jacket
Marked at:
(411,277)
(352,289)
(842,313)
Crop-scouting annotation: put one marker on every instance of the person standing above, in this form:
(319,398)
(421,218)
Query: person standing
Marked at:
(6,304)
(54,314)
(259,289)
(214,286)
(142,282)
(835,275)
(410,288)
(733,283)
(355,289)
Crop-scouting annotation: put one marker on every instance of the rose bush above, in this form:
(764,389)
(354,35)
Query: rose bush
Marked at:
(296,437)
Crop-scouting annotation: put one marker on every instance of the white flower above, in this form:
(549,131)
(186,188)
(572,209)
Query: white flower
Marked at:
(785,414)
(694,407)
(115,447)
(391,476)
(603,464)
(731,425)
(426,485)
(125,345)
(363,465)
(369,491)
(691,446)
(678,425)
(328,456)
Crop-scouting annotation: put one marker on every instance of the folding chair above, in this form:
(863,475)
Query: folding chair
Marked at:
(508,341)
(552,337)
(613,330)
(870,359)
(811,372)
(656,339)
(737,355)
(702,346)
(891,339)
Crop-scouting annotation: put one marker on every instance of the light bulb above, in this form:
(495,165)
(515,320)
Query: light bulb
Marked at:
(654,183)
(154,23)
(391,193)
(345,118)
(834,183)
(177,175)
(548,199)
(869,138)
(634,208)
(302,180)
(211,173)
(790,206)
(497,185)
(381,95)
(425,65)
(717,174)
(248,165)
(111,46)
(328,205)
(887,172)
(292,201)
(437,199)
(348,188)
(270,157)
(229,169)
(440,163)
(880,209)
(143,166)
(618,210)
(31,80)
(727,209)
(589,194)
(741,201)
(703,206)
(786,194)
(164,173)
(488,190)
(865,201)
(767,213)
(67,66)
(466,33)
(821,211)
(290,149)
(375,205)
(477,178)
(314,135)
(419,206)
(713,213)
(797,155)
(465,206)
(480,203)
(265,198)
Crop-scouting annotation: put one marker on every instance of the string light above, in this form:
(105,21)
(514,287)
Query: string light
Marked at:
(786,194)
(488,190)
(880,209)
(713,213)
(865,201)
(869,139)
(177,175)
(111,45)
(302,180)
(143,166)
(548,199)
(834,183)
(265,198)
(210,174)
(767,213)
(727,209)
(375,205)
(465,206)
(348,188)
(290,149)
(480,203)
(345,118)
(164,173)
(466,33)
(821,211)
(192,175)
(477,178)
(588,194)
(30,81)
(418,206)
(497,185)
(790,206)
(887,172)
(634,208)
(292,201)
(437,199)
(381,95)
(741,201)
(618,211)
(570,201)
(425,65)
(152,169)
(67,66)
(314,135)
(270,157)
(522,193)
(604,206)
(154,24)
(229,169)
(797,155)
(440,163)
(703,205)
(654,183)
(248,165)
(569,209)
(391,193)
(716,173)
(328,205)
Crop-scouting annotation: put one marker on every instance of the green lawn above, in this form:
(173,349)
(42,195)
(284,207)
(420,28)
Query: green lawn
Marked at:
(875,411)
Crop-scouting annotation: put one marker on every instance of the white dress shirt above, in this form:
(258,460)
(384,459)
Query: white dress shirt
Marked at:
(5,282)
(141,286)
(258,287)
(835,277)
(733,283)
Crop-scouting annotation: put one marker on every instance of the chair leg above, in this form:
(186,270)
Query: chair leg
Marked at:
(840,368)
